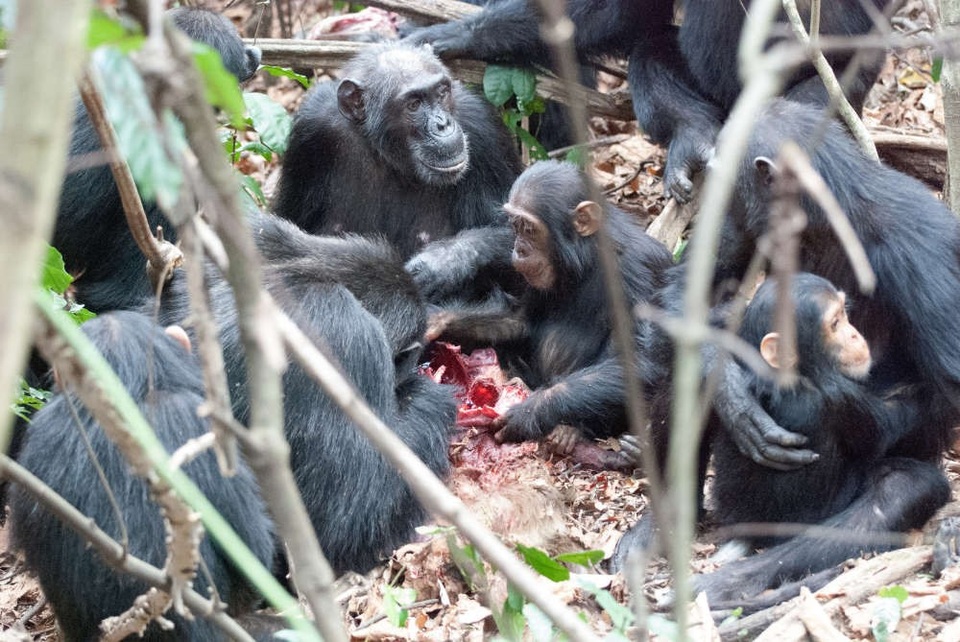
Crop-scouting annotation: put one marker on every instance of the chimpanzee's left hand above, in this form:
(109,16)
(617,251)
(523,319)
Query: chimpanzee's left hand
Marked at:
(522,423)
(690,149)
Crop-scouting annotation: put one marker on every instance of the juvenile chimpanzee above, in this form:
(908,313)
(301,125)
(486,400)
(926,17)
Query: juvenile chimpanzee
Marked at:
(851,428)
(352,295)
(91,231)
(164,380)
(908,321)
(563,327)
(683,80)
(398,148)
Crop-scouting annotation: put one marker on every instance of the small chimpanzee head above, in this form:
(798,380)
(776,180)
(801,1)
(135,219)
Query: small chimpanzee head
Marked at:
(553,219)
(826,340)
(216,31)
(402,99)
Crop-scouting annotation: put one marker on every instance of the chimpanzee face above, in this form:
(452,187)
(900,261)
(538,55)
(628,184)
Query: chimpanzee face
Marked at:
(438,145)
(531,249)
(843,341)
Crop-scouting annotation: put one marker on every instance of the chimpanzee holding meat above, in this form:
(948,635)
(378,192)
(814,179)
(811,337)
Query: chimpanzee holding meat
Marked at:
(559,336)
(847,424)
(397,148)
(683,80)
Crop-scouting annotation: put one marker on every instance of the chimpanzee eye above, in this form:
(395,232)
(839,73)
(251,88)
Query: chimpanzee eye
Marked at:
(414,104)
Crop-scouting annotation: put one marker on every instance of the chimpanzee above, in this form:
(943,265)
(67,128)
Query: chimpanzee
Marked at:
(399,148)
(562,324)
(908,321)
(91,231)
(163,378)
(850,426)
(683,80)
(352,295)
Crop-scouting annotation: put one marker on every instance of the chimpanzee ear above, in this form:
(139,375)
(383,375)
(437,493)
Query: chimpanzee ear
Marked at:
(350,100)
(766,169)
(770,349)
(586,218)
(179,335)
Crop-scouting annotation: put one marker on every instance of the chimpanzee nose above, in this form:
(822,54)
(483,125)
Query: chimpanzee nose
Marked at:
(442,124)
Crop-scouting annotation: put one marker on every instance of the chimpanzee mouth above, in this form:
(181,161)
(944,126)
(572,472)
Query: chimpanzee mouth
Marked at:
(458,166)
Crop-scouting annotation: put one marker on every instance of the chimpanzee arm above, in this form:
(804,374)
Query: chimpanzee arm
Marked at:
(750,427)
(466,325)
(590,399)
(670,111)
(452,266)
(510,30)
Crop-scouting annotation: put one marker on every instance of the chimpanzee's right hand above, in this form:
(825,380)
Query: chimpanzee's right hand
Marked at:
(753,431)
(688,153)
(448,39)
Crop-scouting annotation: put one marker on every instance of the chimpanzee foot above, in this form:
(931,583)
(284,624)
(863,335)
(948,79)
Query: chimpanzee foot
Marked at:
(945,545)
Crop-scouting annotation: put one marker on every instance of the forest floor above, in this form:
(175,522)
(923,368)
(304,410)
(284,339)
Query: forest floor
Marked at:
(536,498)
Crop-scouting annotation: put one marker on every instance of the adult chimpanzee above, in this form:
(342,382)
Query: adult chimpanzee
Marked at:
(847,424)
(352,295)
(400,149)
(908,321)
(91,231)
(164,380)
(683,80)
(562,326)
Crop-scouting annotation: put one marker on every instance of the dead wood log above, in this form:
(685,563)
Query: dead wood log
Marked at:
(332,54)
(923,157)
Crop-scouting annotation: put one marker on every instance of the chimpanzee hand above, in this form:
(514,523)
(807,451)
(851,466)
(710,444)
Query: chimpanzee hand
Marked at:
(448,39)
(564,438)
(523,422)
(443,268)
(751,428)
(690,149)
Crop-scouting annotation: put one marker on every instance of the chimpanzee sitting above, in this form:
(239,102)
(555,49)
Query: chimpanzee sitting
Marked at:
(164,380)
(848,425)
(908,321)
(91,230)
(562,327)
(683,80)
(352,295)
(398,148)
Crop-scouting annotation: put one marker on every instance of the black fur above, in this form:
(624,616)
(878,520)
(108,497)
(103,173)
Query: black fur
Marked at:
(683,80)
(854,484)
(91,231)
(352,295)
(351,163)
(562,344)
(165,382)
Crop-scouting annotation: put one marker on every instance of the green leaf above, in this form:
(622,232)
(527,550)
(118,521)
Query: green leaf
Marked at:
(468,562)
(581,558)
(286,72)
(29,400)
(515,598)
(897,592)
(936,69)
(679,250)
(270,120)
(498,84)
(529,107)
(885,618)
(257,147)
(104,30)
(396,604)
(578,156)
(221,85)
(510,621)
(543,563)
(157,175)
(252,188)
(524,83)
(534,146)
(621,616)
(54,275)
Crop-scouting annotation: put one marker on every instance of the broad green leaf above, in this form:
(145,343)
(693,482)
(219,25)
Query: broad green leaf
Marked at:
(621,616)
(54,275)
(936,69)
(534,106)
(252,188)
(221,85)
(257,147)
(543,563)
(104,30)
(535,147)
(157,175)
(897,592)
(581,558)
(510,621)
(270,120)
(498,84)
(885,618)
(285,72)
(578,156)
(524,83)
(396,604)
